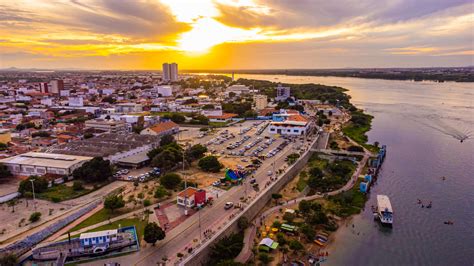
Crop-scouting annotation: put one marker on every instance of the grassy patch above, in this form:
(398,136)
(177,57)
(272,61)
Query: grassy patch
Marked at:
(100,216)
(357,131)
(347,203)
(62,192)
(217,124)
(302,181)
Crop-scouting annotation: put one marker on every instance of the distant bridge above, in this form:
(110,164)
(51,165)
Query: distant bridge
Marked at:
(339,152)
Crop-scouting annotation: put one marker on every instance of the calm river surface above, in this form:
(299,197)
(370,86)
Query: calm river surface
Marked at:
(419,122)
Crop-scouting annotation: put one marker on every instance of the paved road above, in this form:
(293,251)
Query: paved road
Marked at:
(211,218)
(78,203)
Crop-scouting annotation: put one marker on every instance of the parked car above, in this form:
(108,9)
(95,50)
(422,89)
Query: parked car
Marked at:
(228,205)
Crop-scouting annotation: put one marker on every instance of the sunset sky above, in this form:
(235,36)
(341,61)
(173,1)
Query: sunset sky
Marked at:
(235,34)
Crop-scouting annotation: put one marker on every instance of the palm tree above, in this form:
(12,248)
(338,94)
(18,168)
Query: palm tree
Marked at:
(12,204)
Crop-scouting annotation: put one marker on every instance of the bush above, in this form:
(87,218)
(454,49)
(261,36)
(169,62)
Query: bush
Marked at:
(166,139)
(77,185)
(114,202)
(295,245)
(197,151)
(153,233)
(161,192)
(355,149)
(146,203)
(8,259)
(170,180)
(4,172)
(289,217)
(34,217)
(243,223)
(210,164)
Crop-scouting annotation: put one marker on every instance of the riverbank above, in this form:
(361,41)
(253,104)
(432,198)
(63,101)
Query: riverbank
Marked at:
(414,119)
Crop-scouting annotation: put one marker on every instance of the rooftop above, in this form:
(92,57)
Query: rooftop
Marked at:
(98,234)
(46,159)
(164,126)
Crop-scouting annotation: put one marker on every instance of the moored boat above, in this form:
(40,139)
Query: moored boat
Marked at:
(384,211)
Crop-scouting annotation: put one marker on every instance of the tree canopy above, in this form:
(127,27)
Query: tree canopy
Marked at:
(170,180)
(4,172)
(153,233)
(210,164)
(114,202)
(40,183)
(95,170)
(196,151)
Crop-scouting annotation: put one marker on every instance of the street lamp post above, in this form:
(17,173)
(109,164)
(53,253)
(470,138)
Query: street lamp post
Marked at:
(33,189)
(200,234)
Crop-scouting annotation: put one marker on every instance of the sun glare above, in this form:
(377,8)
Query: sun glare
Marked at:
(207,33)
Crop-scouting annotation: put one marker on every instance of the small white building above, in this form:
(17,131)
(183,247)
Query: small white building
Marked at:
(164,90)
(100,238)
(289,123)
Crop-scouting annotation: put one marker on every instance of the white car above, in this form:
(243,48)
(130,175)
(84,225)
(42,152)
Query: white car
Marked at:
(228,205)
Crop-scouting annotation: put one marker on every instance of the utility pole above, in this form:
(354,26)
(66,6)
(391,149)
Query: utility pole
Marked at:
(200,234)
(185,187)
(33,188)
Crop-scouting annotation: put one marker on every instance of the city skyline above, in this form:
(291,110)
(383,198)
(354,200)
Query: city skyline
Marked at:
(235,34)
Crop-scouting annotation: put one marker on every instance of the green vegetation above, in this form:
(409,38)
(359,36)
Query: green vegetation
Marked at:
(210,164)
(331,94)
(302,181)
(166,157)
(167,139)
(196,151)
(62,192)
(43,134)
(4,172)
(95,170)
(153,233)
(114,202)
(8,259)
(100,216)
(40,183)
(34,217)
(359,125)
(138,223)
(239,108)
(3,146)
(333,176)
(314,215)
(170,180)
(227,248)
(292,158)
(347,203)
(161,192)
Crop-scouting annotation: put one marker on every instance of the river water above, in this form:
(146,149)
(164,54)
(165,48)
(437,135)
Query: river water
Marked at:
(421,123)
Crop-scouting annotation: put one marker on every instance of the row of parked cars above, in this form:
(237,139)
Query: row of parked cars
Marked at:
(280,147)
(238,143)
(220,139)
(262,147)
(261,129)
(142,177)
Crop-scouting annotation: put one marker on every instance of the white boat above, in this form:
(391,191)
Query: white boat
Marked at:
(384,210)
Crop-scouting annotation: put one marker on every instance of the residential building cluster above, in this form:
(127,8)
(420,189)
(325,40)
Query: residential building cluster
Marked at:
(52,122)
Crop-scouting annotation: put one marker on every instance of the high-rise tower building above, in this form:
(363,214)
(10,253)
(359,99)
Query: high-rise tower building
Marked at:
(170,72)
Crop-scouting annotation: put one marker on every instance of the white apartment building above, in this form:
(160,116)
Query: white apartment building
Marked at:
(261,101)
(107,125)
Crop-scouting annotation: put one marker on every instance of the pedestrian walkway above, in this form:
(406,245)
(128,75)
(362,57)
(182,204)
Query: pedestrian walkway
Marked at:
(250,233)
